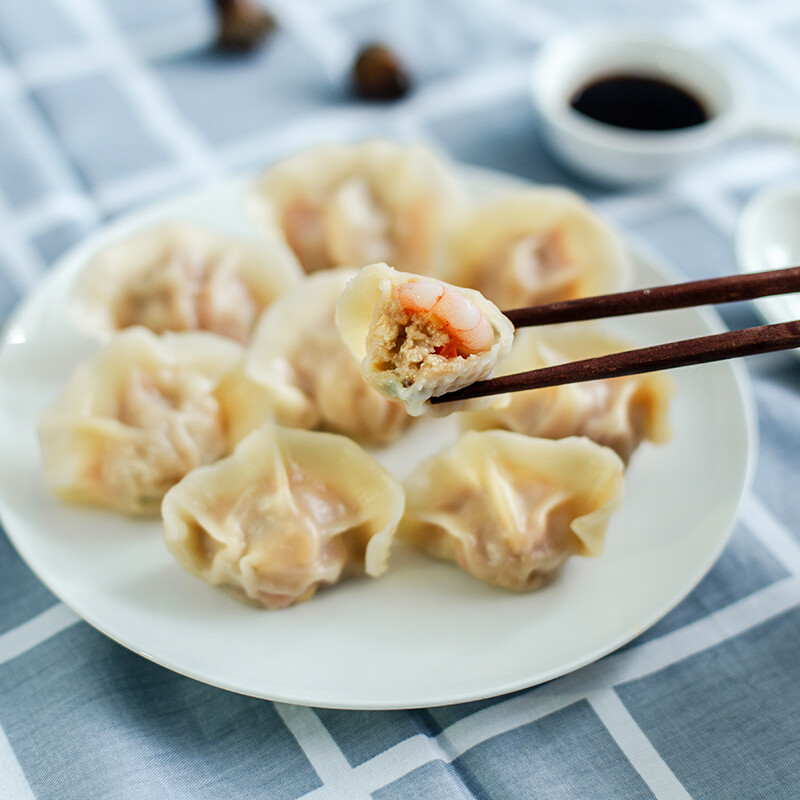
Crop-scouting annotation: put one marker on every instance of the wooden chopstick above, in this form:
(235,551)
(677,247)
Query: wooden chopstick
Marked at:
(661,298)
(721,346)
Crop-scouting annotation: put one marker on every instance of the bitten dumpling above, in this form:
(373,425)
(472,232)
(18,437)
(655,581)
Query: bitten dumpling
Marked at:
(288,511)
(353,205)
(619,412)
(135,418)
(418,337)
(535,246)
(298,354)
(510,509)
(181,277)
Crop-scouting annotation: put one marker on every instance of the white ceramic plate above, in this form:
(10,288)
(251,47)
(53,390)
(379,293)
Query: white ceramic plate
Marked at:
(424,634)
(768,237)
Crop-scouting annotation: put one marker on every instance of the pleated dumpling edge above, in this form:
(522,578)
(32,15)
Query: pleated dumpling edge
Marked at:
(288,511)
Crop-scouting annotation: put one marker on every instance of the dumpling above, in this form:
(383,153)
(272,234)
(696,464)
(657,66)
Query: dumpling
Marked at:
(180,277)
(290,510)
(511,509)
(418,338)
(619,412)
(247,404)
(298,354)
(353,205)
(135,418)
(535,246)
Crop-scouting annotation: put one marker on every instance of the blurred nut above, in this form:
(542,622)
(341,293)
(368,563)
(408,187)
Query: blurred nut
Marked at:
(379,75)
(243,25)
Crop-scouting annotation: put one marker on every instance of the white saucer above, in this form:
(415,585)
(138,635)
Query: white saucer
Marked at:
(768,237)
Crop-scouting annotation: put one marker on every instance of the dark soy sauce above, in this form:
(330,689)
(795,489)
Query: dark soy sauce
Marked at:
(639,103)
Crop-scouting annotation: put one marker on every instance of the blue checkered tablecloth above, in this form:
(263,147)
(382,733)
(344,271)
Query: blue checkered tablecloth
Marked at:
(109,104)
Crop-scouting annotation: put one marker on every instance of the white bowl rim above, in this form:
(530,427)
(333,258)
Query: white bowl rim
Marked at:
(565,120)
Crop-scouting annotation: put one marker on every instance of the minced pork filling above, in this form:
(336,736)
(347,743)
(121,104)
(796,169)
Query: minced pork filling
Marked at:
(409,345)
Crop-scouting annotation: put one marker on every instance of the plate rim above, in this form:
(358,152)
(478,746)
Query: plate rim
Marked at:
(635,247)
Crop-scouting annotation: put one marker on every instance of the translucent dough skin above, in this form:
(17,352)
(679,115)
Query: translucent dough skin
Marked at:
(535,246)
(288,511)
(353,205)
(361,319)
(618,413)
(179,277)
(135,418)
(298,356)
(511,509)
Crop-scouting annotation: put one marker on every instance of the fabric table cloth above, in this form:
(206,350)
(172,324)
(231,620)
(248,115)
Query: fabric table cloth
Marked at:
(106,105)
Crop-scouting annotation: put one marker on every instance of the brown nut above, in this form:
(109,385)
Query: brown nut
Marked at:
(243,25)
(378,74)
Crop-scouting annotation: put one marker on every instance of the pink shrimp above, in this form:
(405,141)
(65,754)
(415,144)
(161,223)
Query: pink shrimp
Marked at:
(466,325)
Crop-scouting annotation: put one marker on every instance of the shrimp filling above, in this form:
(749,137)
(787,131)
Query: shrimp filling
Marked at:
(426,327)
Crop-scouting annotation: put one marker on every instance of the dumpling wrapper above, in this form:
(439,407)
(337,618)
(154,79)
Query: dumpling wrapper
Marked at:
(511,509)
(181,277)
(356,204)
(247,405)
(139,415)
(619,412)
(288,511)
(298,354)
(398,351)
(536,246)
